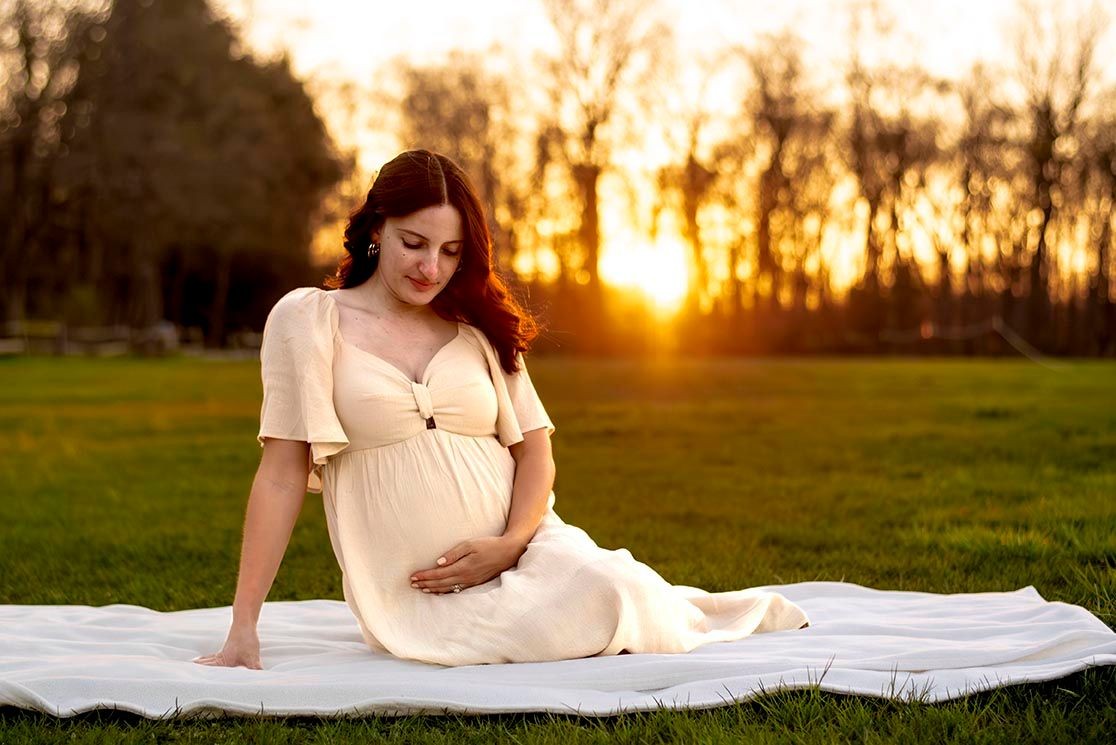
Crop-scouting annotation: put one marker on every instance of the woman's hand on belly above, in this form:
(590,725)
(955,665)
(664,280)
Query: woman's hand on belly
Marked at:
(469,563)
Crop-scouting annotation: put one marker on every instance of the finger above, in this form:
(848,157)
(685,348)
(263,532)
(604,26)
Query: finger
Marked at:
(422,579)
(456,553)
(426,574)
(447,584)
(438,571)
(430,573)
(435,575)
(438,585)
(445,578)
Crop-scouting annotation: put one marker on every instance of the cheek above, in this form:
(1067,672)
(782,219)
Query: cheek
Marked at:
(401,261)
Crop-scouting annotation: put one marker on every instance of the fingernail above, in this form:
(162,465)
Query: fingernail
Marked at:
(441,560)
(426,589)
(414,579)
(414,584)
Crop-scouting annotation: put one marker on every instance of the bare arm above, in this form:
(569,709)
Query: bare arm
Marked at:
(534,478)
(278,491)
(274,503)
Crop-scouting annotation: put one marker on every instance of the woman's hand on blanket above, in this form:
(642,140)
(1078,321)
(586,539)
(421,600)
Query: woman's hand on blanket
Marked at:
(242,649)
(469,563)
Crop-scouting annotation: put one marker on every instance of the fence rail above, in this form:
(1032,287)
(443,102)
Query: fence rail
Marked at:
(993,325)
(46,337)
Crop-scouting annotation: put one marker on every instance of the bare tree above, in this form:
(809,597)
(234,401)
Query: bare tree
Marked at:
(981,163)
(609,53)
(792,135)
(1056,67)
(687,186)
(1096,181)
(889,147)
(810,166)
(781,158)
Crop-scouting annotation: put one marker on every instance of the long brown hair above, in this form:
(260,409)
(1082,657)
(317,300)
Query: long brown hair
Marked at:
(476,295)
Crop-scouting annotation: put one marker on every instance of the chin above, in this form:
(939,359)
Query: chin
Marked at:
(419,297)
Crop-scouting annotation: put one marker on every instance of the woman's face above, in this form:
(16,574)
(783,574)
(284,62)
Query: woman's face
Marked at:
(420,252)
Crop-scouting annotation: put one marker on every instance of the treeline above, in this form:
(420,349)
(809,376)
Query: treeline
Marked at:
(154,169)
(1007,178)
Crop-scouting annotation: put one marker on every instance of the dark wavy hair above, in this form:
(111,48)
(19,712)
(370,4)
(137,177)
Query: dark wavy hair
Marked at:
(476,295)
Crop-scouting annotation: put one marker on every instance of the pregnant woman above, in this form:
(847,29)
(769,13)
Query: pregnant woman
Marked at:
(402,396)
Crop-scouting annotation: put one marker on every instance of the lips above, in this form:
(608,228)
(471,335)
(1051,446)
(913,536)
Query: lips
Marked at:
(421,285)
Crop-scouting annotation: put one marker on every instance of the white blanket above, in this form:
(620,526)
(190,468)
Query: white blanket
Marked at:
(66,659)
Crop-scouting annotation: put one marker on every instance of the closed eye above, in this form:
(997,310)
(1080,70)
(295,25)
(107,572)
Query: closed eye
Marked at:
(447,252)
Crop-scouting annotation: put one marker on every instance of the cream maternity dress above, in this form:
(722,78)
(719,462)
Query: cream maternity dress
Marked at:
(408,469)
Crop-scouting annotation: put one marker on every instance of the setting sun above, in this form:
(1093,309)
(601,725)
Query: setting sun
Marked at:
(658,270)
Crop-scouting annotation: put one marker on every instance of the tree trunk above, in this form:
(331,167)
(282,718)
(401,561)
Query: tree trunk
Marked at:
(1038,301)
(587,175)
(1098,303)
(217,311)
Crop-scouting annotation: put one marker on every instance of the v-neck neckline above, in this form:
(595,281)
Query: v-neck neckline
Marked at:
(381,360)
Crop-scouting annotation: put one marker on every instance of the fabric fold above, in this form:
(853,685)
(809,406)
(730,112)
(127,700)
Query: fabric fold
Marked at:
(67,659)
(422,399)
(296,368)
(519,408)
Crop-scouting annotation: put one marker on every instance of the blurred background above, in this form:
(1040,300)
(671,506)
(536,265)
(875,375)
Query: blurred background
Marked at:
(662,178)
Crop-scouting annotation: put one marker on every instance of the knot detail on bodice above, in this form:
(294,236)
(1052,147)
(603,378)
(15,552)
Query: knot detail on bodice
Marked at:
(379,405)
(425,405)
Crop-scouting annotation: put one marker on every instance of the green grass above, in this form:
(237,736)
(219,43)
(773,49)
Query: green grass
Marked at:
(124,481)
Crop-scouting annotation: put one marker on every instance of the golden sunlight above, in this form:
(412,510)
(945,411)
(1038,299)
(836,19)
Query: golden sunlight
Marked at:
(659,271)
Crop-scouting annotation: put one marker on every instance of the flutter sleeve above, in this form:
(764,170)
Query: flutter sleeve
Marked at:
(296,367)
(519,408)
(529,410)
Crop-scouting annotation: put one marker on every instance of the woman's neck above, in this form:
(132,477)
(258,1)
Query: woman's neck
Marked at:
(377,299)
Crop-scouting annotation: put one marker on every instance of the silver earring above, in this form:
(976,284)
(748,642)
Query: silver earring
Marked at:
(373,249)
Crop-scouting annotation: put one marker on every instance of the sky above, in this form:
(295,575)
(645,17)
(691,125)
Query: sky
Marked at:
(349,40)
(354,37)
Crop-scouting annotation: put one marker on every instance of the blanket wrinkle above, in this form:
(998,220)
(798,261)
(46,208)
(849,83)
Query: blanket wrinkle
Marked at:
(67,659)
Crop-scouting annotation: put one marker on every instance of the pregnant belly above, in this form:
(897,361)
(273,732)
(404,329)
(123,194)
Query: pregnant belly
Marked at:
(395,509)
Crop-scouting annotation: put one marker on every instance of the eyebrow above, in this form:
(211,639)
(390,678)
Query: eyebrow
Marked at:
(420,235)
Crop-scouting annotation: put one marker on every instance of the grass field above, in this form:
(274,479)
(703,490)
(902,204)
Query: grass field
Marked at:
(124,481)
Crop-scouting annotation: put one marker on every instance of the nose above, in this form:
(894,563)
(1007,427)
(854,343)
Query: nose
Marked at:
(429,267)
